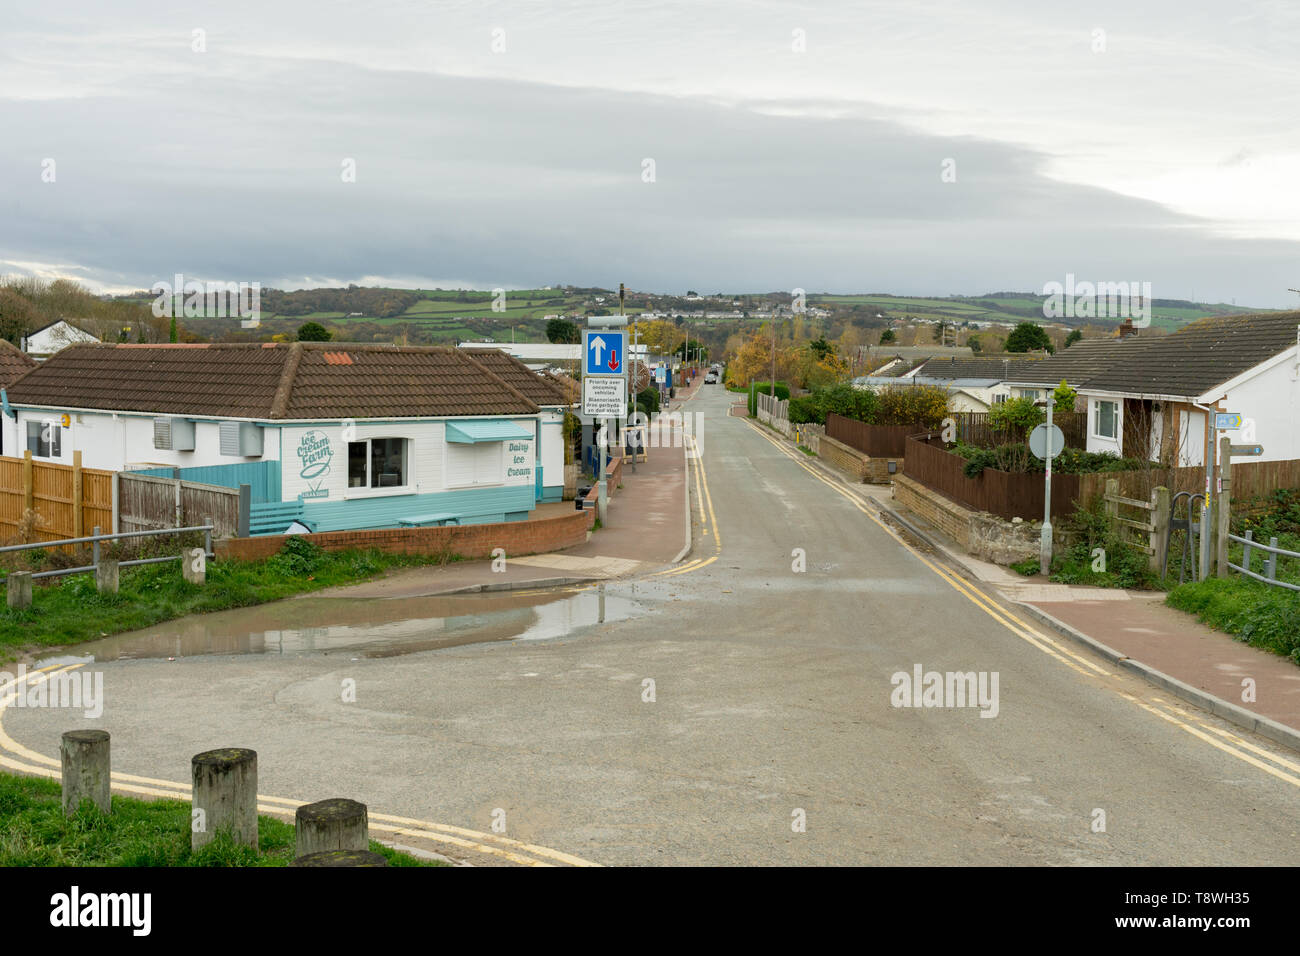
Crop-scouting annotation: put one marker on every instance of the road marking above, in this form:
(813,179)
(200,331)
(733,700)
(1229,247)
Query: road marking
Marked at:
(705,500)
(12,755)
(1238,746)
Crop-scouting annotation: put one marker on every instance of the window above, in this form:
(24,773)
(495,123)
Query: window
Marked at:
(1104,420)
(1029,393)
(479,464)
(999,399)
(377,463)
(44,439)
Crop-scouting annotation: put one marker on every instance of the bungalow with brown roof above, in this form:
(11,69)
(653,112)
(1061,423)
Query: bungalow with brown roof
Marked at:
(1155,401)
(336,436)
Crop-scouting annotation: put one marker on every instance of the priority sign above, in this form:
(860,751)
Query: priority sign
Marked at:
(604,396)
(604,352)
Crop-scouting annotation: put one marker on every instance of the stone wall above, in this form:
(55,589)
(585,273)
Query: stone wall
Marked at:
(986,536)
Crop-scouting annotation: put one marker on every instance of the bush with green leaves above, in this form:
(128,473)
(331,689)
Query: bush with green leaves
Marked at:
(1016,415)
(765,388)
(1259,614)
(1124,566)
(1015,457)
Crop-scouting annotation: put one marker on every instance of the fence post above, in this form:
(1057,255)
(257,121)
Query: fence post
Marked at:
(177,487)
(117,502)
(1159,539)
(77,500)
(207,536)
(94,548)
(246,507)
(1245,550)
(1272,559)
(1224,504)
(224,796)
(1112,507)
(29,497)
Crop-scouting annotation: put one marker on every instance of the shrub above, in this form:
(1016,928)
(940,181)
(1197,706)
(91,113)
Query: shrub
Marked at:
(1016,415)
(1125,566)
(1251,611)
(649,397)
(763,388)
(922,405)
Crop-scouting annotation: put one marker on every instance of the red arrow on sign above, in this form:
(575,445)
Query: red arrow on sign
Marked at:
(613,360)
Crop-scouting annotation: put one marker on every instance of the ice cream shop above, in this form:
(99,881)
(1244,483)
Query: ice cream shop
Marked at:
(330,437)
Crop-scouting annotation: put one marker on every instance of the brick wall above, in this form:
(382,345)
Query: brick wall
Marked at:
(469,541)
(856,464)
(948,516)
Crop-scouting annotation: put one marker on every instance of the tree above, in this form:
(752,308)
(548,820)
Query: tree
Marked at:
(887,336)
(1028,336)
(1063,398)
(1074,336)
(975,344)
(563,332)
(313,332)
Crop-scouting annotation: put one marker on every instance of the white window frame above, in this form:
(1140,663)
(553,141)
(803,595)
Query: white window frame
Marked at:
(1096,419)
(56,438)
(366,491)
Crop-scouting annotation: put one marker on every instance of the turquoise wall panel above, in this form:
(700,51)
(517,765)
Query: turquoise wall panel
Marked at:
(262,476)
(474,505)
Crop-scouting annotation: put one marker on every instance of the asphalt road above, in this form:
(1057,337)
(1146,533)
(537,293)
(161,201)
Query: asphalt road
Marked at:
(772,697)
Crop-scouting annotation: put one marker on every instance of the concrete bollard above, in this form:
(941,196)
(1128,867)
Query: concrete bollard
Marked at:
(194,566)
(18,587)
(225,796)
(87,769)
(335,824)
(341,858)
(106,575)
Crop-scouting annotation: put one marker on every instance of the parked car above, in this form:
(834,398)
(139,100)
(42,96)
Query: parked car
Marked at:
(711,378)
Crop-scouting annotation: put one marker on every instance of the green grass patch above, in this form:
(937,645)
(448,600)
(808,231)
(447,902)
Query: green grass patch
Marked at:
(1251,611)
(34,832)
(71,610)
(1028,567)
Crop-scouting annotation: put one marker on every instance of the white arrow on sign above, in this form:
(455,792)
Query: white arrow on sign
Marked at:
(597,345)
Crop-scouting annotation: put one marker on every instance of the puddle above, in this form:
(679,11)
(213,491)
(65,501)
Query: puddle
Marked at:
(368,627)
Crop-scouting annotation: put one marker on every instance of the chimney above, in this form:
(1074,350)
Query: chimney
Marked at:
(1126,328)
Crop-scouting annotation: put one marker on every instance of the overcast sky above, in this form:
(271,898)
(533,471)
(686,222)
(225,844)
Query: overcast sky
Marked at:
(793,144)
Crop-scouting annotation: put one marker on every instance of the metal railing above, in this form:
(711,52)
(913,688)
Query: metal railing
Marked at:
(1271,551)
(95,538)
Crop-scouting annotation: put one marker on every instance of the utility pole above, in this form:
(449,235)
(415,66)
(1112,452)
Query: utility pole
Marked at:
(1045,542)
(772,384)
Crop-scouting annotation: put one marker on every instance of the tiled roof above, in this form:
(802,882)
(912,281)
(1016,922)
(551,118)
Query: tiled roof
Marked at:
(539,388)
(1199,356)
(1000,369)
(14,363)
(1083,360)
(303,380)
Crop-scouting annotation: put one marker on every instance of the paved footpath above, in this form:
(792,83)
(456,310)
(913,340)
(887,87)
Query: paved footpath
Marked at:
(647,529)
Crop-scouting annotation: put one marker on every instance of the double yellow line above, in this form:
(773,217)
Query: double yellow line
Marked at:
(14,756)
(1229,743)
(708,520)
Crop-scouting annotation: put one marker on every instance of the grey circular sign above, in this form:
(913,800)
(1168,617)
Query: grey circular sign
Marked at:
(1038,441)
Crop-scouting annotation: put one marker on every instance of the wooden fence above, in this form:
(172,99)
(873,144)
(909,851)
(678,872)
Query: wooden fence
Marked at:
(878,441)
(69,501)
(1250,479)
(1014,495)
(147,503)
(997,492)
(973,428)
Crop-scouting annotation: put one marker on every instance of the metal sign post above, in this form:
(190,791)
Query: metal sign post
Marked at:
(604,389)
(1046,442)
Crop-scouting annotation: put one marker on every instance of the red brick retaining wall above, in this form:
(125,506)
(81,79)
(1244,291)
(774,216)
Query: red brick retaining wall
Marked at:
(468,541)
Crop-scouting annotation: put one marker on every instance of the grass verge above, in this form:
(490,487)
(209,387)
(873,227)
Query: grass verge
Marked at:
(34,832)
(1260,615)
(71,610)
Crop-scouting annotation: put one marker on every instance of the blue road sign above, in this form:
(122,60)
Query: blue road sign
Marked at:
(604,352)
(1227,420)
